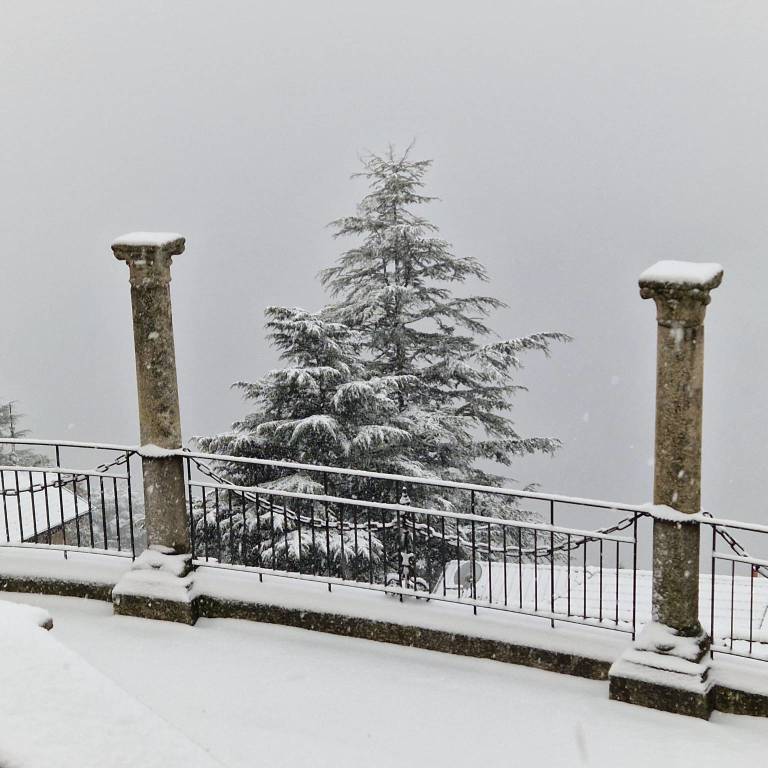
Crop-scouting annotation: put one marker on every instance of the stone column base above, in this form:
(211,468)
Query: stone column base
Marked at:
(159,585)
(666,671)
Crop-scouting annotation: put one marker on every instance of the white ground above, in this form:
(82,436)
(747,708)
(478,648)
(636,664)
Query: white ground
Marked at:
(254,695)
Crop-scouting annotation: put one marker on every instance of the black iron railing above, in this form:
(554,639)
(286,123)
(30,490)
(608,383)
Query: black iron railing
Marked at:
(737,596)
(477,546)
(480,546)
(52,503)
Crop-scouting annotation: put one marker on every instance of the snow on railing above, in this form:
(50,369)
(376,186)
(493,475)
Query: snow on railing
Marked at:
(403,536)
(417,480)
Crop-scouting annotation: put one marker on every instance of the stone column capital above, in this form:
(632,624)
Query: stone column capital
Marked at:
(148,255)
(681,290)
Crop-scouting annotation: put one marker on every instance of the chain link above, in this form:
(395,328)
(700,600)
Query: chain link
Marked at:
(61,483)
(419,528)
(737,546)
(426,529)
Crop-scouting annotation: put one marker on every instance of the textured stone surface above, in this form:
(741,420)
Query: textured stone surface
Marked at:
(155,608)
(164,494)
(676,575)
(46,586)
(158,585)
(665,698)
(680,307)
(661,670)
(738,702)
(665,669)
(149,262)
(414,636)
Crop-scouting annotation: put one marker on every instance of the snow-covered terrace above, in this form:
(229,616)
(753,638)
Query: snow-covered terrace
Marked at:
(115,691)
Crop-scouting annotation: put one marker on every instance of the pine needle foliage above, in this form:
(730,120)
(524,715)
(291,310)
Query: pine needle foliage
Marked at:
(399,373)
(396,288)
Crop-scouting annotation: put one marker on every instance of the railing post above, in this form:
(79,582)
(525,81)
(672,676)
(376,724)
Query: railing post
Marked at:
(149,257)
(668,666)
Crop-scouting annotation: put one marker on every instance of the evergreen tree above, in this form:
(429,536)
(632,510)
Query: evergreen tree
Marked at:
(11,453)
(321,408)
(397,375)
(395,288)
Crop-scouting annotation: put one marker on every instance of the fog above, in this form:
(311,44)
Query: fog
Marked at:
(575,143)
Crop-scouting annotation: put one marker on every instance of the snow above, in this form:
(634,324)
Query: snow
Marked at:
(56,709)
(447,617)
(682,272)
(149,239)
(19,614)
(252,692)
(307,595)
(150,450)
(528,587)
(659,638)
(660,655)
(50,563)
(159,574)
(670,514)
(161,558)
(669,672)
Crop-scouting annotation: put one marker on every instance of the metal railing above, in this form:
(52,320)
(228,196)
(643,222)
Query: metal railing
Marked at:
(465,544)
(737,594)
(417,537)
(49,502)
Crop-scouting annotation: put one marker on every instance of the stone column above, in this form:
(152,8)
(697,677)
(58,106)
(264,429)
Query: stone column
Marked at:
(667,667)
(149,257)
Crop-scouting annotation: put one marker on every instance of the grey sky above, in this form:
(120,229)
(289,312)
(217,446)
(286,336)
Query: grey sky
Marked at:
(574,142)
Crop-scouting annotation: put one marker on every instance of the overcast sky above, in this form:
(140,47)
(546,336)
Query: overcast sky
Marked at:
(575,143)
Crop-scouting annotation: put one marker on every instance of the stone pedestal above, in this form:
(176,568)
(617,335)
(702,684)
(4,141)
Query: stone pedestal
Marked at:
(668,667)
(158,585)
(149,257)
(667,671)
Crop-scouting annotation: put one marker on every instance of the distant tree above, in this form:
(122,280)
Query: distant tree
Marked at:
(12,453)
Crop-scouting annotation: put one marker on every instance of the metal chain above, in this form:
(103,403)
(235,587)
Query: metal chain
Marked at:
(736,546)
(458,539)
(60,483)
(426,529)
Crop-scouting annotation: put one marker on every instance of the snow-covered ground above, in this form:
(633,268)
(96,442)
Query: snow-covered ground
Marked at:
(253,694)
(57,709)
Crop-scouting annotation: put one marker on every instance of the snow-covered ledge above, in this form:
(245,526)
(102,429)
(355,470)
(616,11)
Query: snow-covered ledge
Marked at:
(668,666)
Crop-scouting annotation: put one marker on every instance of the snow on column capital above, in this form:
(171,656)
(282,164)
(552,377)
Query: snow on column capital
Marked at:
(681,290)
(149,254)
